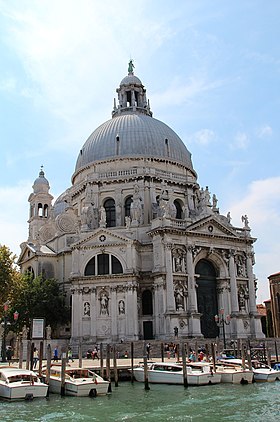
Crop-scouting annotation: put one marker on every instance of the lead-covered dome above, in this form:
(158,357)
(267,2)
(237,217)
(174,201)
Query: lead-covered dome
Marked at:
(132,131)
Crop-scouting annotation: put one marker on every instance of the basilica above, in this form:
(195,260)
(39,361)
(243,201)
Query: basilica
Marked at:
(139,248)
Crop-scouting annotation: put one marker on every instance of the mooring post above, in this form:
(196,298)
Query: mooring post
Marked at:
(31,356)
(49,362)
(185,375)
(20,352)
(162,351)
(213,352)
(41,357)
(101,361)
(132,360)
(80,355)
(28,351)
(249,357)
(63,368)
(116,376)
(276,351)
(108,369)
(146,379)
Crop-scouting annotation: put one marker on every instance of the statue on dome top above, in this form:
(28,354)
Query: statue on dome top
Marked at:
(130,66)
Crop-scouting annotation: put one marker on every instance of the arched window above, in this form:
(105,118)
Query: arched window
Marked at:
(127,206)
(103,264)
(110,209)
(30,272)
(90,268)
(46,210)
(147,302)
(40,210)
(179,211)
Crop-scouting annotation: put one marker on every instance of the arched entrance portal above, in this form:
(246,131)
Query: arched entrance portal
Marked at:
(207,298)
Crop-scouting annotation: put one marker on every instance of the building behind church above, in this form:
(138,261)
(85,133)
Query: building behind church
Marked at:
(138,246)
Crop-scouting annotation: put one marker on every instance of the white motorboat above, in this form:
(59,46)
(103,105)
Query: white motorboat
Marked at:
(264,373)
(233,374)
(239,365)
(20,384)
(78,382)
(172,373)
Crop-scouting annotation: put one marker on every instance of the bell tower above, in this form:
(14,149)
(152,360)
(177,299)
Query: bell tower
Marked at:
(40,205)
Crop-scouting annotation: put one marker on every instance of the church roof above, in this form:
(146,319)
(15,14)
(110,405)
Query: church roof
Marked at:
(132,131)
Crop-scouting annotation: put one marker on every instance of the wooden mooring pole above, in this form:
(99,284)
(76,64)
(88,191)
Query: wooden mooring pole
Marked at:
(63,368)
(185,375)
(49,362)
(146,379)
(116,375)
(108,369)
(132,360)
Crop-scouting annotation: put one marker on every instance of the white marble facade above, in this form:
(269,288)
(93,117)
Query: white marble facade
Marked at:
(139,247)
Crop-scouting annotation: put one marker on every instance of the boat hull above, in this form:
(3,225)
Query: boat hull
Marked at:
(165,377)
(23,392)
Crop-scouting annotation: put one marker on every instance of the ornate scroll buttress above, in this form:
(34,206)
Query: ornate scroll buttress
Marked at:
(233,285)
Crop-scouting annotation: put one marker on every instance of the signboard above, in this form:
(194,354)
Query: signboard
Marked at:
(38,328)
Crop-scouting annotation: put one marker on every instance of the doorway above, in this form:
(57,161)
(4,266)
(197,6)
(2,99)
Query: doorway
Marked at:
(207,298)
(148,330)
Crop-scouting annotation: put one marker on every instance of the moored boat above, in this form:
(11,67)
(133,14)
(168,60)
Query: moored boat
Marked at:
(264,373)
(78,382)
(172,373)
(20,384)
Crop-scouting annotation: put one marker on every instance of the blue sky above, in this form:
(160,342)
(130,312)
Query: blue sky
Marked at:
(211,69)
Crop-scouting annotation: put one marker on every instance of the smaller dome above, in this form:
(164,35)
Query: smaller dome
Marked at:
(41,184)
(131,80)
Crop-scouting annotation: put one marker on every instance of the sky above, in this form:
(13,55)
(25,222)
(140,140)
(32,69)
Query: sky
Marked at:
(211,69)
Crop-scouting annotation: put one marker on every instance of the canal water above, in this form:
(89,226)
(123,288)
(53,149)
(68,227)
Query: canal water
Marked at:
(130,402)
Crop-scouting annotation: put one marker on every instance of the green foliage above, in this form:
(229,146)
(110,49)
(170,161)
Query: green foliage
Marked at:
(38,298)
(8,274)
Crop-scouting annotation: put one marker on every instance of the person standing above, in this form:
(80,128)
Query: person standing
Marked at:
(55,354)
(35,357)
(70,355)
(9,354)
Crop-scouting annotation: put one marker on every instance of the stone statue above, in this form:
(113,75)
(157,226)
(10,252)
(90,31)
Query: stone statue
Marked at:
(121,307)
(178,264)
(25,331)
(127,222)
(104,302)
(130,66)
(48,332)
(86,309)
(179,298)
(215,201)
(245,220)
(228,217)
(136,206)
(102,221)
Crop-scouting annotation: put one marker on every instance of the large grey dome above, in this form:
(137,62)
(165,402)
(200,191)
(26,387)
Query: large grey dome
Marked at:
(132,135)
(132,131)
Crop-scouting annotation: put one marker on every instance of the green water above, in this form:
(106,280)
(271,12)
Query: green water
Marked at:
(130,402)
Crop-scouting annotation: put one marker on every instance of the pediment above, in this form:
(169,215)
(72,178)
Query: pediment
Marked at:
(101,237)
(28,250)
(211,226)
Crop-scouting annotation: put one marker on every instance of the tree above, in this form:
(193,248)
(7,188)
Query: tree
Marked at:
(38,298)
(8,274)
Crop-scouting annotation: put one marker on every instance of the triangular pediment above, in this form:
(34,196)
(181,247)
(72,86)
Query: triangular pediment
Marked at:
(101,237)
(212,227)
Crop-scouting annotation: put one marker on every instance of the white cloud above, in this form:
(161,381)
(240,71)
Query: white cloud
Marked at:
(202,137)
(8,84)
(261,202)
(14,214)
(264,131)
(241,141)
